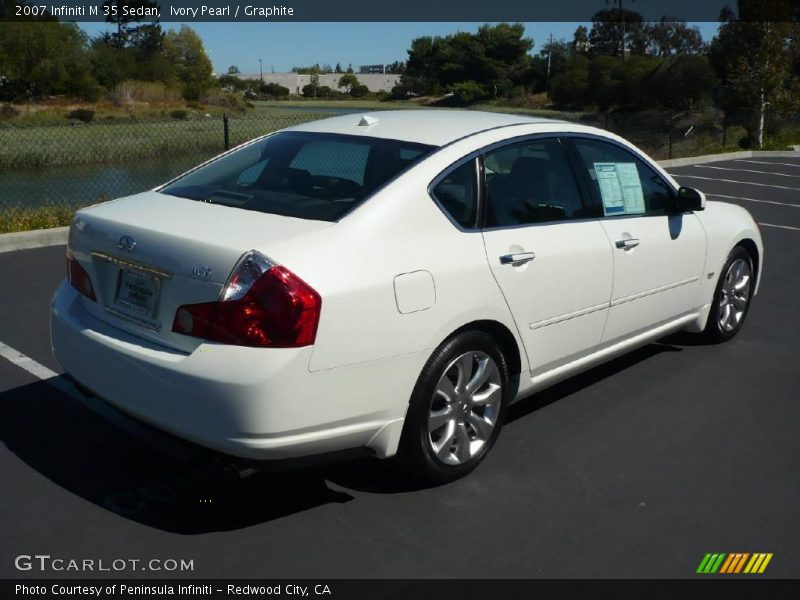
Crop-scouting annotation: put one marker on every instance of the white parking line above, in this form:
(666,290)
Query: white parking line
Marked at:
(763,162)
(780,187)
(745,171)
(65,385)
(26,363)
(780,226)
(752,200)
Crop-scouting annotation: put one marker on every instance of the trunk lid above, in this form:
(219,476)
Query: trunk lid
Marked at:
(150,253)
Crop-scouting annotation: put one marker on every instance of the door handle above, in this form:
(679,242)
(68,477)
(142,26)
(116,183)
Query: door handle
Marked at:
(516,260)
(627,244)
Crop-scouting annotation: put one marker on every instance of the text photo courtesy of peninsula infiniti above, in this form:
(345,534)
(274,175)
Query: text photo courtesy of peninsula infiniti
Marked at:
(391,282)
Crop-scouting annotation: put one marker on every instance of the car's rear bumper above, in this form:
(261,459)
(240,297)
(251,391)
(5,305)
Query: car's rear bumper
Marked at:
(256,403)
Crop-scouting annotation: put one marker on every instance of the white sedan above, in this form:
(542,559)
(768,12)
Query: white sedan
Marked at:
(390,282)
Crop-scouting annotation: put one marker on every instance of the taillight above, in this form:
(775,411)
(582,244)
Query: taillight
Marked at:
(262,305)
(78,277)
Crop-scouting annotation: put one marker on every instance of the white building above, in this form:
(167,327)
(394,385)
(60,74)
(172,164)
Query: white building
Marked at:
(375,82)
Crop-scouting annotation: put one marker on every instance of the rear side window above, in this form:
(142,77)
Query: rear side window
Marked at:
(457,193)
(622,183)
(300,174)
(530,182)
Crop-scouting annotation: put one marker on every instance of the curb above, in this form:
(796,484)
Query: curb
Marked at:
(39,238)
(707,158)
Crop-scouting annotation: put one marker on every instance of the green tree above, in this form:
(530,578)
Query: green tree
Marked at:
(616,32)
(398,67)
(122,13)
(570,88)
(184,50)
(580,40)
(669,37)
(683,82)
(755,56)
(231,83)
(45,57)
(348,81)
(496,58)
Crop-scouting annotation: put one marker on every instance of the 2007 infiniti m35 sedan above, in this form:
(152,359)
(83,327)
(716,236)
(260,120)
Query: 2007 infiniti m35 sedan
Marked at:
(390,281)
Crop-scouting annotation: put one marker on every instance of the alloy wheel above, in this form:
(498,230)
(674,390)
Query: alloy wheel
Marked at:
(734,295)
(465,408)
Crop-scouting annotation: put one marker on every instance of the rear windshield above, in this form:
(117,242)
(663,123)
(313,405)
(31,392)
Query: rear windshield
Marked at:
(299,174)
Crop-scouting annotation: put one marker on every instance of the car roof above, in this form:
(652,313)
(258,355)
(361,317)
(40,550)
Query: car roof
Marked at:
(436,127)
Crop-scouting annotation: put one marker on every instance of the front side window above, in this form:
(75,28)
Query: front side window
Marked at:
(530,182)
(300,174)
(621,182)
(457,193)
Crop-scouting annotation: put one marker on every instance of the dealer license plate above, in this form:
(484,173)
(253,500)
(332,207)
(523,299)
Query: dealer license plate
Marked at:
(137,293)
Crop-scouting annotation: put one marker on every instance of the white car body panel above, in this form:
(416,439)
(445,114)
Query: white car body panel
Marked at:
(570,277)
(396,278)
(657,280)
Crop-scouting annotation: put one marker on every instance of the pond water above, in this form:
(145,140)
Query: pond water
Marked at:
(87,184)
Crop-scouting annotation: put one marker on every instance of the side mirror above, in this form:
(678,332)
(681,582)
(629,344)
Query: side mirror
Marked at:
(690,199)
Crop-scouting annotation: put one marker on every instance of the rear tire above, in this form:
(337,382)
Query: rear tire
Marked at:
(456,410)
(732,297)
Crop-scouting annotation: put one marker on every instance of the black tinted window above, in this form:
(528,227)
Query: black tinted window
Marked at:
(297,174)
(621,182)
(530,182)
(457,194)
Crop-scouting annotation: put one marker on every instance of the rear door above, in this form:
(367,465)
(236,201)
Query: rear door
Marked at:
(658,255)
(547,251)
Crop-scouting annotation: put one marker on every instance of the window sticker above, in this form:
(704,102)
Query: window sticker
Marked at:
(620,188)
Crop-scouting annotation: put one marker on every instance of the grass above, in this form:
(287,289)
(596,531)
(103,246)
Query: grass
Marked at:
(15,219)
(313,103)
(119,142)
(56,111)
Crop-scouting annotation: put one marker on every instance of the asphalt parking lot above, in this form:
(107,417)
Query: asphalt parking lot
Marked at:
(634,469)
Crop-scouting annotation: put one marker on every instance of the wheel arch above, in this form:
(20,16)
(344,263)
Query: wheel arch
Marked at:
(505,340)
(752,248)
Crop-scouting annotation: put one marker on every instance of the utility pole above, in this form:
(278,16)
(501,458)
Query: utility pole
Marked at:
(260,71)
(549,55)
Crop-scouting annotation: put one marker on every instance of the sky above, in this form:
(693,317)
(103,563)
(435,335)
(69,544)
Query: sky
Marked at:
(282,46)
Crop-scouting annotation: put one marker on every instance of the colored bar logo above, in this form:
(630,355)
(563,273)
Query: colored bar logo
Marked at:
(734,563)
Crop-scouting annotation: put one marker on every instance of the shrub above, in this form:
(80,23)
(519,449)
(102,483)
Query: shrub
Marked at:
(310,90)
(324,91)
(8,112)
(82,114)
(142,91)
(194,105)
(467,92)
(179,114)
(359,91)
(48,215)
(217,98)
(273,90)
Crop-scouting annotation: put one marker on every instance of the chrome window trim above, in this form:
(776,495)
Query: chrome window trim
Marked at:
(479,154)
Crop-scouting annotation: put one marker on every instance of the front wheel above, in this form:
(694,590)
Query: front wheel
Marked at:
(457,408)
(731,297)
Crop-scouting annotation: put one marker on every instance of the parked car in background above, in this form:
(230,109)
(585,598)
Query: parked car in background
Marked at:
(390,281)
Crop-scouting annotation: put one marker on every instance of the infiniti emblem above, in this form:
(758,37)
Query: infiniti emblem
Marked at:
(127,243)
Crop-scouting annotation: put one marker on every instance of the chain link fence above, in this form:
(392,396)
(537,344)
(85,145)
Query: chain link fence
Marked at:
(85,163)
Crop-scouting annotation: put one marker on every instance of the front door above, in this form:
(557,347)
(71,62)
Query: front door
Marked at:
(658,255)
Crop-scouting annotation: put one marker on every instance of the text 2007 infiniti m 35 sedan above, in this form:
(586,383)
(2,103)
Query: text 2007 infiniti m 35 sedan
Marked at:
(390,281)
